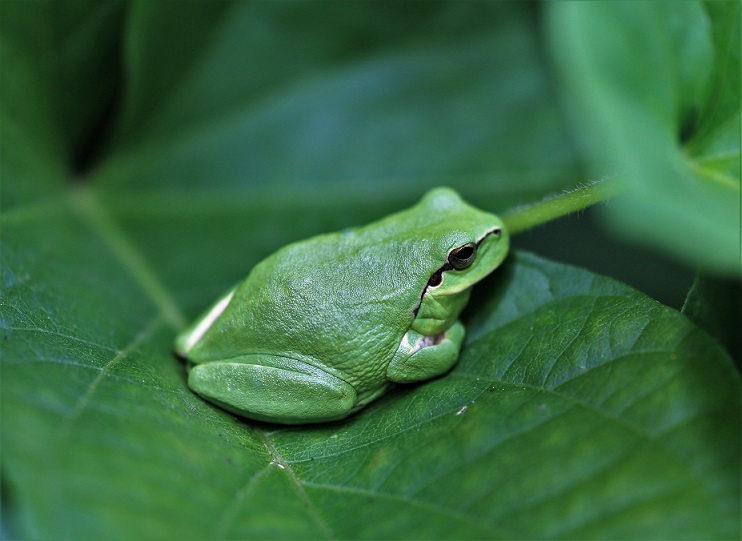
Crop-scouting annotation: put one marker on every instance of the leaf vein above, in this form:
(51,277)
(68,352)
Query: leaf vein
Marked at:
(227,516)
(84,401)
(62,335)
(297,483)
(426,505)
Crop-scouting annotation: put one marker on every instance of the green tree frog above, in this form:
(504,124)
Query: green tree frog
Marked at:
(321,328)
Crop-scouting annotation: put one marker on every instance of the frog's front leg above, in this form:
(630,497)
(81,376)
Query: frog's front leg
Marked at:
(274,389)
(422,357)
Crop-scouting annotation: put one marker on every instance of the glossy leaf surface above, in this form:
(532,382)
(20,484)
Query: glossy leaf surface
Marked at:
(580,408)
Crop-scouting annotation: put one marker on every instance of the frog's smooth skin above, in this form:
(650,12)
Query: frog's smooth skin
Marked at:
(320,328)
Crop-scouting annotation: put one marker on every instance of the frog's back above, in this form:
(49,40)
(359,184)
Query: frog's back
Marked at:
(328,300)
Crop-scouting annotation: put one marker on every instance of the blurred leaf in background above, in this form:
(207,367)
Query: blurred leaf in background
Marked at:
(655,94)
(152,154)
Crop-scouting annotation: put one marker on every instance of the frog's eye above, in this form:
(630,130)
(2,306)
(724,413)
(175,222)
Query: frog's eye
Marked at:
(463,256)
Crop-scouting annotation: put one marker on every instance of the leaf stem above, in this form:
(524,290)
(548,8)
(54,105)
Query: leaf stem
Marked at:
(552,207)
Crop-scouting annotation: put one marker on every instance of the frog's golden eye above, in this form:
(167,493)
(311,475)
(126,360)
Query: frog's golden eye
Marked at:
(463,256)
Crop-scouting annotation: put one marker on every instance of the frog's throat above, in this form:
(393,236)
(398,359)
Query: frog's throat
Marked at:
(437,313)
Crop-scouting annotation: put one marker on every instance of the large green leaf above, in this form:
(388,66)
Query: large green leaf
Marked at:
(654,88)
(579,407)
(449,94)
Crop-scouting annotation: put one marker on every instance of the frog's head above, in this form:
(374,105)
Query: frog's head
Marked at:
(475,243)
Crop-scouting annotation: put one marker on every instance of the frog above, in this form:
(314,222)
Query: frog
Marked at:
(324,326)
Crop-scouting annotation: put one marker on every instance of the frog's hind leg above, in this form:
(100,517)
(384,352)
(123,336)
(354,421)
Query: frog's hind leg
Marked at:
(273,389)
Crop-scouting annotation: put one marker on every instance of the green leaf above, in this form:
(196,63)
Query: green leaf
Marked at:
(437,97)
(232,54)
(722,104)
(643,79)
(579,407)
